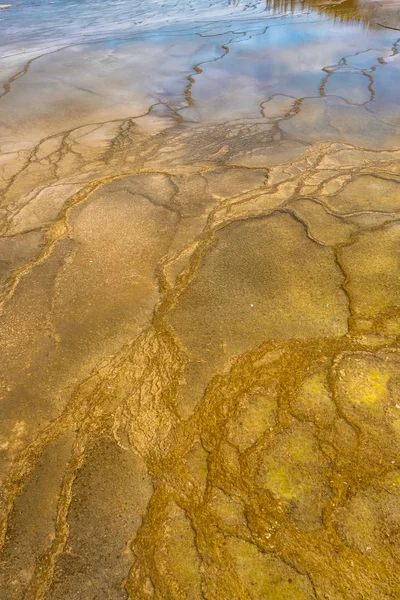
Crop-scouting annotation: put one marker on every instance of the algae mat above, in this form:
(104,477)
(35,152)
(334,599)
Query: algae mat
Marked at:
(200,300)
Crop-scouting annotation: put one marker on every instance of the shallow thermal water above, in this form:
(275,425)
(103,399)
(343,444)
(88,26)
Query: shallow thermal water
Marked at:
(200,300)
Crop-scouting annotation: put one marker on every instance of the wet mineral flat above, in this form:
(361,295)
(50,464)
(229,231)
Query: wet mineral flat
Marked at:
(200,300)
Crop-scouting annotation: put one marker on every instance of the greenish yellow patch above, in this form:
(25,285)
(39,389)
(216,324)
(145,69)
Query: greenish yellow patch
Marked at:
(392,479)
(369,389)
(294,470)
(266,577)
(313,401)
(301,449)
(281,483)
(358,522)
(396,426)
(256,414)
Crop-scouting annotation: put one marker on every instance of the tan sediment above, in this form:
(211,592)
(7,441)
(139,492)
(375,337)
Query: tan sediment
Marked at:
(205,354)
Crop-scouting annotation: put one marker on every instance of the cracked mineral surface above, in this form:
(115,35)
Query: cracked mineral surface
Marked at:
(200,300)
